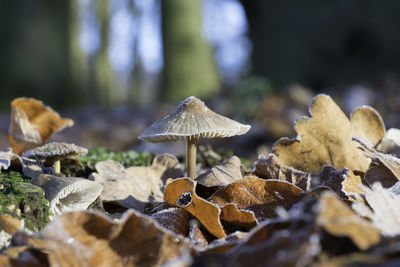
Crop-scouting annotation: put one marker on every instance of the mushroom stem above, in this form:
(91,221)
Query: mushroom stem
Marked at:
(191,157)
(57,167)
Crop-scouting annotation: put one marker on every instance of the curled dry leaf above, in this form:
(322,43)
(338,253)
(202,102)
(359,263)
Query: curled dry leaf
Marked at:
(351,185)
(390,144)
(335,217)
(89,239)
(32,123)
(135,186)
(240,218)
(173,219)
(271,167)
(382,209)
(223,174)
(325,137)
(384,168)
(6,157)
(271,244)
(69,193)
(258,195)
(181,193)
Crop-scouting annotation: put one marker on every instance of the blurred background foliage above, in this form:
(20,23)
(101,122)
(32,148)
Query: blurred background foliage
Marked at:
(258,60)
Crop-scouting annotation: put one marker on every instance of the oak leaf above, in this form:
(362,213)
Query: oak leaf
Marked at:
(324,138)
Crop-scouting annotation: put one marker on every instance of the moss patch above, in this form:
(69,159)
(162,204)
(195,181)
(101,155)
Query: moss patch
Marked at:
(127,158)
(23,200)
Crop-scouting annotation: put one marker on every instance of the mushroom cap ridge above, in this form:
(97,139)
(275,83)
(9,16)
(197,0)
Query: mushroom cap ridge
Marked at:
(56,149)
(192,119)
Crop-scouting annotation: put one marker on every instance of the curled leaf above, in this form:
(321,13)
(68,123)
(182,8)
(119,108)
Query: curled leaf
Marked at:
(135,186)
(181,193)
(335,217)
(32,123)
(382,209)
(89,239)
(271,167)
(6,157)
(385,168)
(223,174)
(325,138)
(258,195)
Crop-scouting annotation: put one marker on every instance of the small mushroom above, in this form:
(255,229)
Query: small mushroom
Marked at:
(68,194)
(190,121)
(53,153)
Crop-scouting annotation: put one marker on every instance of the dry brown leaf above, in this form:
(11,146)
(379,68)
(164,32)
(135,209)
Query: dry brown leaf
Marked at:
(335,217)
(196,235)
(32,123)
(258,195)
(351,185)
(325,138)
(271,167)
(390,144)
(382,209)
(135,186)
(90,239)
(223,174)
(181,193)
(241,218)
(271,244)
(384,168)
(7,157)
(173,219)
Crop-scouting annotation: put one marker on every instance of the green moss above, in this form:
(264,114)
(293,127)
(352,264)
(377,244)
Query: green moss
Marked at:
(127,158)
(23,200)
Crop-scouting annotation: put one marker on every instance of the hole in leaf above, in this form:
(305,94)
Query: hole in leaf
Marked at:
(184,200)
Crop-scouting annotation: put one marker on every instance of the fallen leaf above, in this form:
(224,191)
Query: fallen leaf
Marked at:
(325,138)
(384,168)
(239,218)
(335,217)
(33,123)
(6,157)
(351,185)
(382,209)
(258,195)
(272,244)
(133,187)
(88,239)
(181,193)
(390,144)
(225,173)
(271,167)
(173,219)
(332,178)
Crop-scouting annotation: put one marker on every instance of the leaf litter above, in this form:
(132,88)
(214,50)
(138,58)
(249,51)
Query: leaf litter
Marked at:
(329,196)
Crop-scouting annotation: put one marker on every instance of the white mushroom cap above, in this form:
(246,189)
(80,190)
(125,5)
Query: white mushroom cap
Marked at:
(68,194)
(56,150)
(192,119)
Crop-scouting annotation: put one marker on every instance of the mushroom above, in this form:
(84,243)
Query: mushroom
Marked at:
(190,121)
(68,194)
(52,153)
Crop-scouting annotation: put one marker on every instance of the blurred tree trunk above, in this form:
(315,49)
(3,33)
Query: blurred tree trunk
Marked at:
(189,67)
(103,72)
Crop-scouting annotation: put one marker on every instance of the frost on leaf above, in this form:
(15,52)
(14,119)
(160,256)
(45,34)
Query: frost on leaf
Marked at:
(383,209)
(181,193)
(258,195)
(325,138)
(338,219)
(88,239)
(32,123)
(223,174)
(384,168)
(6,158)
(270,167)
(133,187)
